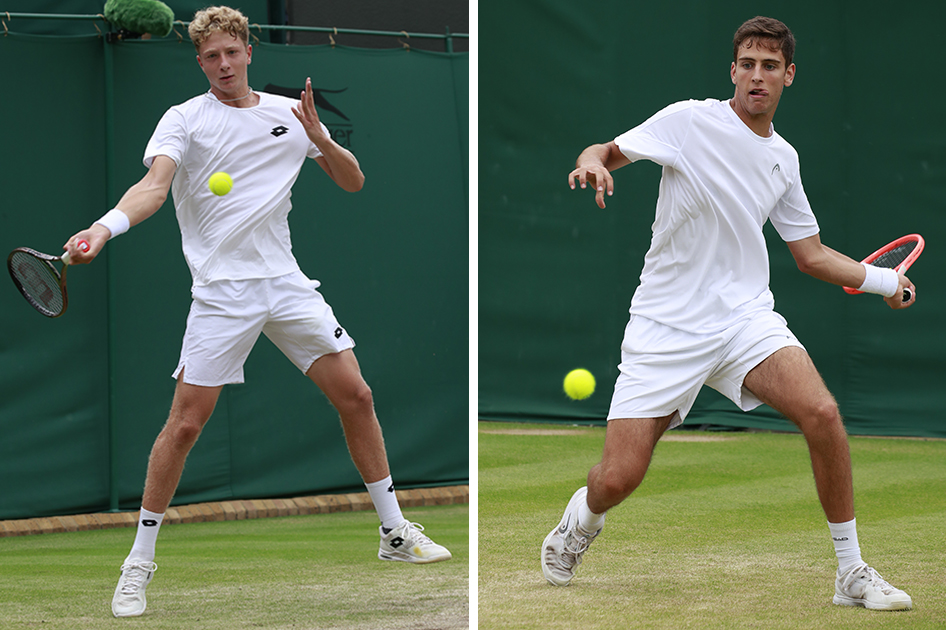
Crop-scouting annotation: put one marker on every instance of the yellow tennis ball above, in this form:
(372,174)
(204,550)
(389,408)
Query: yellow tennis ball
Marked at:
(220,183)
(579,384)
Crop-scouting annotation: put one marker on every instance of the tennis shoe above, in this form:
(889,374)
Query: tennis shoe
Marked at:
(407,543)
(565,545)
(862,586)
(129,599)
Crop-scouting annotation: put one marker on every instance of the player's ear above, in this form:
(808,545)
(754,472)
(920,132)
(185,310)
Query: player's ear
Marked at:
(789,74)
(249,54)
(732,72)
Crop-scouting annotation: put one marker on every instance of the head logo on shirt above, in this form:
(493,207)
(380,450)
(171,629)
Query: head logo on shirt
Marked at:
(330,112)
(775,168)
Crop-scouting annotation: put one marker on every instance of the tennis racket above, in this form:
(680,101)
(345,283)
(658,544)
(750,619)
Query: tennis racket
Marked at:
(35,276)
(897,255)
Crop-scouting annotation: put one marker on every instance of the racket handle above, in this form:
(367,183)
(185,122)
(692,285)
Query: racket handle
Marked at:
(81,244)
(907,295)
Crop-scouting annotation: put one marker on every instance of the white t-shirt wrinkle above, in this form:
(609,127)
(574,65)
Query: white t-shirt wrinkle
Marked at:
(707,266)
(244,234)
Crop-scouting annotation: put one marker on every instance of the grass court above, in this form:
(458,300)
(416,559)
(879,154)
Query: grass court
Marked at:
(725,532)
(304,572)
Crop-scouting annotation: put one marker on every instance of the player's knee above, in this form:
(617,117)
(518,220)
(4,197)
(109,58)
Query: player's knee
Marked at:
(822,417)
(186,423)
(827,411)
(357,399)
(618,483)
(184,432)
(822,411)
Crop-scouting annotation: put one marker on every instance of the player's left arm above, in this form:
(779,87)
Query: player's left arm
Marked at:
(820,261)
(338,162)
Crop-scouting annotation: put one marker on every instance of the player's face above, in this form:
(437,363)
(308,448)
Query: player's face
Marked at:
(224,59)
(760,74)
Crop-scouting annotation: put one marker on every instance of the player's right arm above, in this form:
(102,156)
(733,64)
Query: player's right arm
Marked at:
(593,167)
(138,203)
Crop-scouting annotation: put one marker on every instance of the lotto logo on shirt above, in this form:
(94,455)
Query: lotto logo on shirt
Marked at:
(329,104)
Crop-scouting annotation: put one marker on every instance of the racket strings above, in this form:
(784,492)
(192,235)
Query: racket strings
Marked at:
(37,281)
(895,256)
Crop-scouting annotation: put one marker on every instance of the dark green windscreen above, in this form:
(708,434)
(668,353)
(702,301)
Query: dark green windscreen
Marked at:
(556,273)
(392,259)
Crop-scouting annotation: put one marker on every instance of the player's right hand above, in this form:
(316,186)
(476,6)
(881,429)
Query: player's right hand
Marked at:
(97,236)
(596,176)
(896,302)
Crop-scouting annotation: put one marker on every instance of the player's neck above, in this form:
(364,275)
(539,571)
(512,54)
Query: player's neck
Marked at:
(240,97)
(760,124)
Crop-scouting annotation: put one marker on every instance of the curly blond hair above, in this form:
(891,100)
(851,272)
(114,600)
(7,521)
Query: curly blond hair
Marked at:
(218,20)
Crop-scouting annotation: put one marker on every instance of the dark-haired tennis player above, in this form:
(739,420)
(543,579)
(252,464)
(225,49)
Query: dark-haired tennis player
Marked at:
(246,280)
(704,314)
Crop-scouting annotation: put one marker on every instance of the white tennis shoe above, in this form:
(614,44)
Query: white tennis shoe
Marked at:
(862,586)
(129,599)
(407,543)
(566,544)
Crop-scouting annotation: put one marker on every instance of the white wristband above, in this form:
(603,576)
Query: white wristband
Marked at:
(880,280)
(116,221)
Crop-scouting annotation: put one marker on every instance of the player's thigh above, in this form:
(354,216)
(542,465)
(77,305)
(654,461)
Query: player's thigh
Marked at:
(339,377)
(191,408)
(788,382)
(629,442)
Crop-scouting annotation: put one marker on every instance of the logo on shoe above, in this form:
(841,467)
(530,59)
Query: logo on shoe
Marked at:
(396,542)
(564,526)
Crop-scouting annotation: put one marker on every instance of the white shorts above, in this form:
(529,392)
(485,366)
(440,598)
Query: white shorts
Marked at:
(227,317)
(663,368)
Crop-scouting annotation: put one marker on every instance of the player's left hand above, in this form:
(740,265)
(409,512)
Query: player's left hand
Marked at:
(307,114)
(597,176)
(897,302)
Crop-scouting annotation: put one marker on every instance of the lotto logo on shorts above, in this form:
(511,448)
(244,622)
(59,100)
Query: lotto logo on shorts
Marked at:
(338,332)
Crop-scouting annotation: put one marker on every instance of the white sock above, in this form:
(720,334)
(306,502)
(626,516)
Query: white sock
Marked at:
(148,525)
(848,551)
(588,520)
(385,502)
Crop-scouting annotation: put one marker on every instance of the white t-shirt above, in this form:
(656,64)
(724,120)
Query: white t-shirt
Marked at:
(707,266)
(244,234)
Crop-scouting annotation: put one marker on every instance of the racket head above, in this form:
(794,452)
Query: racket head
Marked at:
(38,280)
(898,255)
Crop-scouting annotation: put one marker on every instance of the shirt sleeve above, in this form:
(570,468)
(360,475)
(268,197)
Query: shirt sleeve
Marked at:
(660,138)
(792,216)
(169,138)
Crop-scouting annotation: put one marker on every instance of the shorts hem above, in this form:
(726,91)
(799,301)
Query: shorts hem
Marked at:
(325,354)
(198,383)
(677,420)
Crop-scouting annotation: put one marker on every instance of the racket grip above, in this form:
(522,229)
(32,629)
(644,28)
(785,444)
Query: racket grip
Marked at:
(907,295)
(81,244)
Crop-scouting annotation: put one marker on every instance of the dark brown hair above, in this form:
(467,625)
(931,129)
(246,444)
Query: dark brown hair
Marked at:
(771,32)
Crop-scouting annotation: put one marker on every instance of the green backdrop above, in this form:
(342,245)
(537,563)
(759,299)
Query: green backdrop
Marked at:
(393,261)
(556,274)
